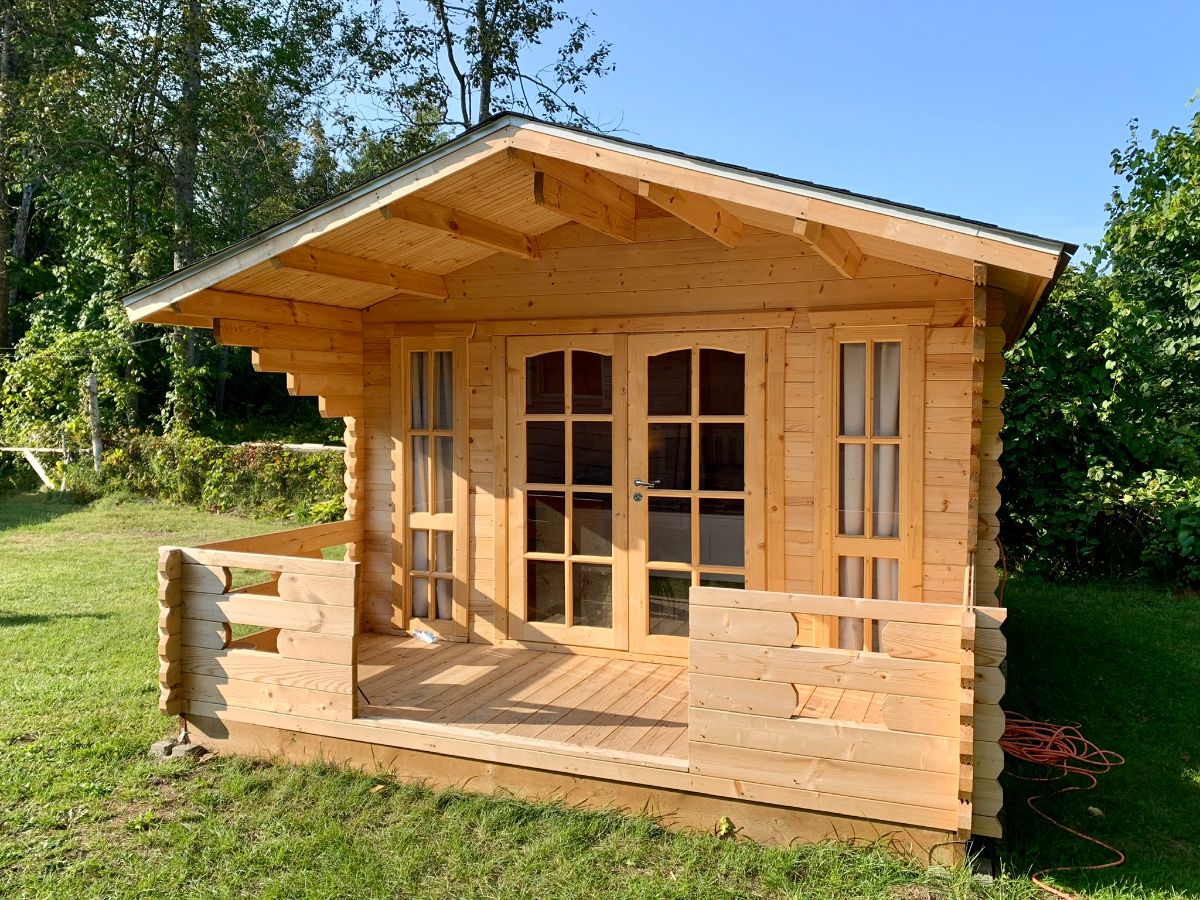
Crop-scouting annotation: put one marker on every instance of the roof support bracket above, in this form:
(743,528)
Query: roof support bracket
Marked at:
(462,226)
(834,245)
(315,261)
(702,213)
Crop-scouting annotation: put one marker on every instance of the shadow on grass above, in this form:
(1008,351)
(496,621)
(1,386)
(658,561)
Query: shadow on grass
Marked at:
(11,620)
(1121,661)
(19,509)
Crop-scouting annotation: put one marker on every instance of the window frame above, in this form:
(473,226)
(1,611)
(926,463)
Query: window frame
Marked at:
(406,521)
(907,546)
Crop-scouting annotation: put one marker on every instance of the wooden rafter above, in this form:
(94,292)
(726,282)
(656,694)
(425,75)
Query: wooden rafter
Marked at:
(702,213)
(273,310)
(316,261)
(834,245)
(586,209)
(582,195)
(462,226)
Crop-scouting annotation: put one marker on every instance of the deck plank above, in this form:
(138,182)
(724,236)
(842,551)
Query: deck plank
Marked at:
(580,700)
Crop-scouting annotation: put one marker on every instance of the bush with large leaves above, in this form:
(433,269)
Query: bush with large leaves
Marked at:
(1102,441)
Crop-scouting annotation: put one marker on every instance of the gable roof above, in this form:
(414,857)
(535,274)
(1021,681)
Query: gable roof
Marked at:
(1024,264)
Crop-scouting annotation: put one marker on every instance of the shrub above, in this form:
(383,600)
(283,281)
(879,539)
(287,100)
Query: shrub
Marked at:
(267,479)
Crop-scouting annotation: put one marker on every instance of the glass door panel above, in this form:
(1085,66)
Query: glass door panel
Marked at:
(696,512)
(566,442)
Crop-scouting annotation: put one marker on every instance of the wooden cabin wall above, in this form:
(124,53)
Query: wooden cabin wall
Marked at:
(671,270)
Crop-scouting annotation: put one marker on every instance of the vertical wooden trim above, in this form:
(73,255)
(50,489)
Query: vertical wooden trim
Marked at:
(825,472)
(621,479)
(399,386)
(461,495)
(978,358)
(912,452)
(500,485)
(776,353)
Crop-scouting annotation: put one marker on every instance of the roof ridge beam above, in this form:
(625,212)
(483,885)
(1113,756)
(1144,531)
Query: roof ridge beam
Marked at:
(462,226)
(701,212)
(331,263)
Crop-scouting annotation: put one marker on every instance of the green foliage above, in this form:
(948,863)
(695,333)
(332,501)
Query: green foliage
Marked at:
(184,468)
(1102,435)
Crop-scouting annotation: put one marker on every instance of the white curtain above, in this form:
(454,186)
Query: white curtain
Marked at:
(885,467)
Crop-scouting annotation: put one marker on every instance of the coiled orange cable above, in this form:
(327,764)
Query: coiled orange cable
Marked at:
(1063,748)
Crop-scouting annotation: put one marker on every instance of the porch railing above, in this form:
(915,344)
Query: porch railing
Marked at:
(299,653)
(884,734)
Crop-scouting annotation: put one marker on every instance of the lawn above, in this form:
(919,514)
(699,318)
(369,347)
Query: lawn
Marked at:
(83,813)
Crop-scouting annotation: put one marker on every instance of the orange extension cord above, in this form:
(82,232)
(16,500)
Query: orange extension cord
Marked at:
(1060,747)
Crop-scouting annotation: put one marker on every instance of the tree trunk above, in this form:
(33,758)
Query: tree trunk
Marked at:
(188,137)
(487,56)
(6,102)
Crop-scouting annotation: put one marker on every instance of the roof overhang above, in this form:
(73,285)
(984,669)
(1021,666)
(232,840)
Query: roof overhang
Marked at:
(1025,266)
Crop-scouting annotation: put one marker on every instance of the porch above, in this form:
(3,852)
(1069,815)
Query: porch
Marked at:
(797,735)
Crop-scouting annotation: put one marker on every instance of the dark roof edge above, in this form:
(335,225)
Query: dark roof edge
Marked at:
(501,120)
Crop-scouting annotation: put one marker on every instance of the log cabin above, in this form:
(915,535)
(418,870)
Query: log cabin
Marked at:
(670,485)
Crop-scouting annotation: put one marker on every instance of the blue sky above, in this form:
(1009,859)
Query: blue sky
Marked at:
(1003,111)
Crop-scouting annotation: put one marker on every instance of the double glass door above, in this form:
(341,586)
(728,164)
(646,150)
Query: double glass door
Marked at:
(635,464)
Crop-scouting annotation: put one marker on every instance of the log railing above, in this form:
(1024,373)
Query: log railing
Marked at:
(301,658)
(886,735)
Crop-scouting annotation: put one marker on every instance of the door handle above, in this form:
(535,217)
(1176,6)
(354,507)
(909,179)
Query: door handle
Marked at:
(637,482)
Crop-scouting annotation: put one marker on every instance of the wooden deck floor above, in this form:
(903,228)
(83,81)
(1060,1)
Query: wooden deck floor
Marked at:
(583,701)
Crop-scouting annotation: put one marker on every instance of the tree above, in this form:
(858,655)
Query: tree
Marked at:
(1102,441)
(470,60)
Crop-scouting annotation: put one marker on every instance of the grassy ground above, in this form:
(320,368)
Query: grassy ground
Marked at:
(83,814)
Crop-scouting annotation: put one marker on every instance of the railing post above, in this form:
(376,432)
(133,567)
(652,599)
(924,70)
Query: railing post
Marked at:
(170,637)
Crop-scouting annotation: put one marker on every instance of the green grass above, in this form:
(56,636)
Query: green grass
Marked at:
(84,814)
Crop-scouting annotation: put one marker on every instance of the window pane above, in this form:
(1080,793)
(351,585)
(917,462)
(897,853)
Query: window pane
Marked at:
(444,588)
(593,452)
(885,579)
(671,455)
(419,389)
(721,580)
(443,551)
(885,585)
(420,473)
(444,474)
(591,592)
(850,584)
(722,457)
(669,602)
(545,447)
(545,522)
(670,520)
(545,383)
(443,365)
(591,382)
(885,490)
(850,576)
(887,390)
(420,551)
(420,598)
(722,533)
(854,390)
(851,496)
(546,589)
(591,524)
(722,383)
(669,384)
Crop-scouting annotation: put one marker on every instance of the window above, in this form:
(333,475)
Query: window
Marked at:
(873,470)
(433,494)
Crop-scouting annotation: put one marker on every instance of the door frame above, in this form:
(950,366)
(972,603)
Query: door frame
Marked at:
(752,344)
(517,350)
(627,602)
